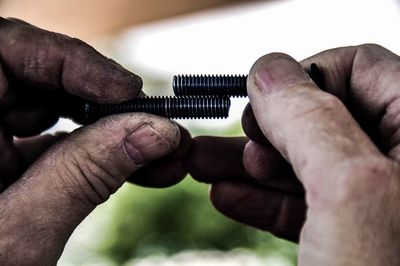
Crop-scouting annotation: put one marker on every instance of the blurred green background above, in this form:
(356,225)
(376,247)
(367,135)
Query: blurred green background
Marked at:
(165,222)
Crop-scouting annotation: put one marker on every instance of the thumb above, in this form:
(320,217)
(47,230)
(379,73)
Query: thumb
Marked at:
(312,129)
(72,178)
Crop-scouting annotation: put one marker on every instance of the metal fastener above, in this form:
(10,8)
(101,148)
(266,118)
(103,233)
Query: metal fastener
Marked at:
(215,85)
(224,85)
(199,96)
(170,107)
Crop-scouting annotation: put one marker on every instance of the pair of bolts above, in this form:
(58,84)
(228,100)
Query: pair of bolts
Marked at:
(197,96)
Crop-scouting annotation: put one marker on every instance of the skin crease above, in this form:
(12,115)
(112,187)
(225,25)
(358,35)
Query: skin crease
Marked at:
(50,183)
(340,143)
(317,167)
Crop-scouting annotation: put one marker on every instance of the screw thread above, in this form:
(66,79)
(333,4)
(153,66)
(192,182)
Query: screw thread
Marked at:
(171,107)
(218,85)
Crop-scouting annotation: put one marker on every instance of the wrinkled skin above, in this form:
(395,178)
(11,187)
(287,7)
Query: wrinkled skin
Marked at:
(49,189)
(317,166)
(321,166)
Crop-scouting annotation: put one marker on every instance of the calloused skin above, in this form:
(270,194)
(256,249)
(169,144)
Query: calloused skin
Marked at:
(317,166)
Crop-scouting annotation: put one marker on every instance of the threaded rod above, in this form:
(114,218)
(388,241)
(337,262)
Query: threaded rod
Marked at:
(225,85)
(218,85)
(171,107)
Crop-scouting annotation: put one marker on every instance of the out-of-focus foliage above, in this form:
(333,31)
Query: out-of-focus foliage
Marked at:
(152,222)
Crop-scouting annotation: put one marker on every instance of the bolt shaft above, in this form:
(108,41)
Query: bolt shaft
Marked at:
(171,107)
(225,85)
(218,85)
(199,96)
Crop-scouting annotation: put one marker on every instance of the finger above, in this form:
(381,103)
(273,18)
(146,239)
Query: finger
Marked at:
(309,127)
(33,147)
(214,158)
(251,128)
(366,79)
(168,170)
(257,158)
(159,174)
(183,147)
(268,168)
(281,214)
(76,175)
(53,61)
(249,123)
(263,162)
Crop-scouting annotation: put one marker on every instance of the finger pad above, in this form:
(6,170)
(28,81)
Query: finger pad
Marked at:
(214,158)
(159,174)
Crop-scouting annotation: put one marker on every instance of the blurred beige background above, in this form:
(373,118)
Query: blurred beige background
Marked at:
(92,18)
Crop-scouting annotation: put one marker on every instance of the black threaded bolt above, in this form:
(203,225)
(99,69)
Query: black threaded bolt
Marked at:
(203,97)
(224,85)
(170,107)
(218,85)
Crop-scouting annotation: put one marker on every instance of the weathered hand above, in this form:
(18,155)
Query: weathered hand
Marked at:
(49,189)
(341,144)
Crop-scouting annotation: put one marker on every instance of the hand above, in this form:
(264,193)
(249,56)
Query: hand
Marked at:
(342,145)
(49,189)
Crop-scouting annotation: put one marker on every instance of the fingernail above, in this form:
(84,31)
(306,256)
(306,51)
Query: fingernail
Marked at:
(145,144)
(279,74)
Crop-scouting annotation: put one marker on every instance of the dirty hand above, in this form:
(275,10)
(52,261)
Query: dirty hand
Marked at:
(321,166)
(51,183)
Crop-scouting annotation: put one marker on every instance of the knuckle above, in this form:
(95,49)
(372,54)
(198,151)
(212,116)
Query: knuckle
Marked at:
(4,22)
(79,50)
(41,62)
(372,58)
(370,47)
(89,81)
(375,69)
(78,44)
